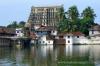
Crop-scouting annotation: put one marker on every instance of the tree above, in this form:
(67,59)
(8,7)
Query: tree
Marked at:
(13,25)
(73,17)
(88,16)
(61,22)
(21,24)
(72,13)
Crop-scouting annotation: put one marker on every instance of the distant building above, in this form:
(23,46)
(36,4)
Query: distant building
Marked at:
(19,32)
(94,33)
(45,40)
(4,31)
(71,38)
(94,30)
(46,15)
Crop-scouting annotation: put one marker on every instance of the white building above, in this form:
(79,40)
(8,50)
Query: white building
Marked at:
(72,38)
(94,30)
(94,34)
(64,38)
(79,38)
(69,39)
(44,40)
(19,32)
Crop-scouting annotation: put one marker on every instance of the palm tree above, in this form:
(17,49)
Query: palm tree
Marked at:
(73,16)
(88,15)
(72,13)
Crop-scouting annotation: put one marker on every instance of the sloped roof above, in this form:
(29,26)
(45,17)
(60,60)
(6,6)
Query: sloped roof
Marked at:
(46,28)
(95,28)
(71,33)
(77,33)
(7,30)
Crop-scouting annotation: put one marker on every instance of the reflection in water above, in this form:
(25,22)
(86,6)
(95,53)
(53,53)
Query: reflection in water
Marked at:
(49,55)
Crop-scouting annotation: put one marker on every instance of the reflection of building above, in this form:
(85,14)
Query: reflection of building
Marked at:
(46,16)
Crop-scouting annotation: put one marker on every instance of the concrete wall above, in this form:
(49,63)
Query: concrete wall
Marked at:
(54,32)
(69,39)
(91,33)
(95,40)
(43,40)
(19,32)
(80,40)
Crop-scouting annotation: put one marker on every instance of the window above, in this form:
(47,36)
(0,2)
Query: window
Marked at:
(92,32)
(60,36)
(17,31)
(68,41)
(49,41)
(21,31)
(77,36)
(43,42)
(68,36)
(53,31)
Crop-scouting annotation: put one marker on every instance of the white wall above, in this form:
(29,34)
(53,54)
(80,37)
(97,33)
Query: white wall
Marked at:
(19,32)
(80,40)
(36,27)
(43,40)
(69,40)
(95,40)
(54,32)
(93,33)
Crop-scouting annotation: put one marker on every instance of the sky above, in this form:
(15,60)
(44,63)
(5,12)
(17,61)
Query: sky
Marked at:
(19,10)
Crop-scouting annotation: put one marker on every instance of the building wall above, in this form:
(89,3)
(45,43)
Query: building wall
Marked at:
(39,33)
(43,40)
(69,39)
(54,32)
(80,40)
(95,40)
(19,32)
(91,33)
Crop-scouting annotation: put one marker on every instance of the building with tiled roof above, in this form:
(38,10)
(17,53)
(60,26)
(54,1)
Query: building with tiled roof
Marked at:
(94,30)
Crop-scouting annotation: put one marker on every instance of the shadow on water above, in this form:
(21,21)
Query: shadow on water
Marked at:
(51,55)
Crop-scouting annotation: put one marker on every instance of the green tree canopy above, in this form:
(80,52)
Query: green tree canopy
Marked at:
(15,24)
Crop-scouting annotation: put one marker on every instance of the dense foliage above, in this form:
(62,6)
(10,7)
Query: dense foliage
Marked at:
(74,21)
(15,24)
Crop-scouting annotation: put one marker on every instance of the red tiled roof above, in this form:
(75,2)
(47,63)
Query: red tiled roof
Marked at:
(71,33)
(7,30)
(46,28)
(77,34)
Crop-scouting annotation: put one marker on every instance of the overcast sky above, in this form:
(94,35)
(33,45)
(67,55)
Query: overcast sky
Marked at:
(19,10)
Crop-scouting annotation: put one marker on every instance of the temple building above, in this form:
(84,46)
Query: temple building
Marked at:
(46,15)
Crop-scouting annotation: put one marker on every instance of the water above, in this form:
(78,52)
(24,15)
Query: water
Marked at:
(49,55)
